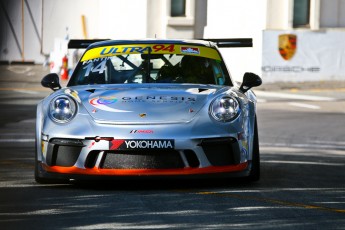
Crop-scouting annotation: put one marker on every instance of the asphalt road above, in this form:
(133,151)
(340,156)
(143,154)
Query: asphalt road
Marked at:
(302,187)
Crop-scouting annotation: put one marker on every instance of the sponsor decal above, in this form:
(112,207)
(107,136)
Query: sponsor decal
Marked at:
(140,144)
(287,46)
(137,49)
(42,146)
(190,50)
(108,51)
(291,69)
(73,94)
(143,144)
(159,99)
(96,60)
(102,102)
(145,131)
(115,144)
(92,144)
(244,143)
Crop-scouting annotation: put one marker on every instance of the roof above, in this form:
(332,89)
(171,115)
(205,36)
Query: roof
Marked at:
(151,41)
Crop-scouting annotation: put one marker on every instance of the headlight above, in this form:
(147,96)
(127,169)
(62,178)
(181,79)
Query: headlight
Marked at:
(62,109)
(225,108)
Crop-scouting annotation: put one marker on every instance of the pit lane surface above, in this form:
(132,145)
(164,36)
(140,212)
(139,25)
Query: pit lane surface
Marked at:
(302,185)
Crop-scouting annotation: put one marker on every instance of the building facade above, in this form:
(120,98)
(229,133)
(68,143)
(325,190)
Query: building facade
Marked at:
(294,40)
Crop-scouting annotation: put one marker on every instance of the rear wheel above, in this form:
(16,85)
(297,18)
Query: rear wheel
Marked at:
(254,174)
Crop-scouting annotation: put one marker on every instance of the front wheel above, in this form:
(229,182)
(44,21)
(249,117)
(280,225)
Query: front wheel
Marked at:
(39,178)
(45,180)
(254,174)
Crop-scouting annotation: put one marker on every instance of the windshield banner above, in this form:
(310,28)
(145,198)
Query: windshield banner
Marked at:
(108,51)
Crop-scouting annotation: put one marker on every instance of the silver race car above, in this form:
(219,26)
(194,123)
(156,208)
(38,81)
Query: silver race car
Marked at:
(148,108)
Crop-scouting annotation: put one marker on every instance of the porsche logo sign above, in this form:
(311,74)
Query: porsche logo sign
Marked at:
(287,45)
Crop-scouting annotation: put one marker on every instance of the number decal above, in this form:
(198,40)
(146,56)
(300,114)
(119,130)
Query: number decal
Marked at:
(88,69)
(170,48)
(99,68)
(157,48)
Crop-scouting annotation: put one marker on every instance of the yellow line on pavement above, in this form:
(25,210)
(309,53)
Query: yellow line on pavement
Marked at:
(28,89)
(317,90)
(272,201)
(324,90)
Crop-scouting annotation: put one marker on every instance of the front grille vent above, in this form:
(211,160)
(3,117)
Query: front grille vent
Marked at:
(153,159)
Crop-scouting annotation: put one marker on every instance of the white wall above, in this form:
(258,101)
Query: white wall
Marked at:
(238,19)
(13,42)
(114,19)
(62,14)
(279,14)
(156,18)
(332,13)
(118,19)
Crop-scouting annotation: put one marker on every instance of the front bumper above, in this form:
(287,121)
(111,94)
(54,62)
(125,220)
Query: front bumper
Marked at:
(98,157)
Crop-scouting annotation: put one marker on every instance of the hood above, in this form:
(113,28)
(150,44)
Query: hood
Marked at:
(146,104)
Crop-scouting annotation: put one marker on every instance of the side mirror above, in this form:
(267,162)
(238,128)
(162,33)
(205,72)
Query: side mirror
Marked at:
(51,81)
(250,80)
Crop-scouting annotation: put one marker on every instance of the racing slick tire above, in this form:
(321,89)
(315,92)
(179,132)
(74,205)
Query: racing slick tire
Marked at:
(44,180)
(254,174)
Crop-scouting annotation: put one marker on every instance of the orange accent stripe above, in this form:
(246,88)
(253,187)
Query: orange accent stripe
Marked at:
(145,172)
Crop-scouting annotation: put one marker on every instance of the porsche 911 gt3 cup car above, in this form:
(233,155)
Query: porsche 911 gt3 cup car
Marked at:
(148,108)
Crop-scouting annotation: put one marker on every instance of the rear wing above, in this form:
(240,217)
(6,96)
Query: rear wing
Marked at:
(231,42)
(220,42)
(82,43)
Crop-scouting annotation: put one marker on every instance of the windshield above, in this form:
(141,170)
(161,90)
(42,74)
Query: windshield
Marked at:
(151,66)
